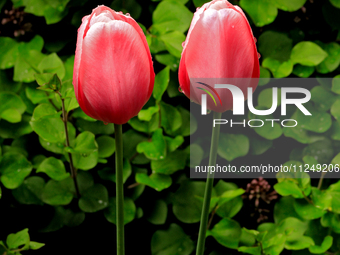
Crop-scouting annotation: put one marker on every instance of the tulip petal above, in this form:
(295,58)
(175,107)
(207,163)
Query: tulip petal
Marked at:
(114,71)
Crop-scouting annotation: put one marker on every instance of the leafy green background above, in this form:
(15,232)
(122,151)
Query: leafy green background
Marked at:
(296,38)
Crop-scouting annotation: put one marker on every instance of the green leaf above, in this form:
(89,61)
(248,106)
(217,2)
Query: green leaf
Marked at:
(171,241)
(35,245)
(259,146)
(335,3)
(173,162)
(173,42)
(250,250)
(232,146)
(84,161)
(287,188)
(155,181)
(58,192)
(159,212)
(52,64)
(336,84)
(171,118)
(30,191)
(278,69)
(171,15)
(308,54)
(147,114)
(306,210)
(168,60)
(332,61)
(85,144)
(173,143)
(227,232)
(94,199)
(228,208)
(264,76)
(8,52)
(155,149)
(161,83)
(53,11)
(106,146)
(47,123)
(289,5)
(322,97)
(322,151)
(326,244)
(303,71)
(14,168)
(335,110)
(129,210)
(145,126)
(187,206)
(11,107)
(284,209)
(54,168)
(261,12)
(130,141)
(318,122)
(275,45)
(20,238)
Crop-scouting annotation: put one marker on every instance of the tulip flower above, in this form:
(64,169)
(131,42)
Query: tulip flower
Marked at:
(220,45)
(113,78)
(113,74)
(219,49)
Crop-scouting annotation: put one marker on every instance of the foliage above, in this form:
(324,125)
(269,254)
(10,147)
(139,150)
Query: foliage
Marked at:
(162,204)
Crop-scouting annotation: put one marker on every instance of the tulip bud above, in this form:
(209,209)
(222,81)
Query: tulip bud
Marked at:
(113,75)
(219,45)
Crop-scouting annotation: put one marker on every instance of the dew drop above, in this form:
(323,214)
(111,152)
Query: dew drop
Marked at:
(197,8)
(128,15)
(100,201)
(180,89)
(255,40)
(161,157)
(183,44)
(232,26)
(258,55)
(120,12)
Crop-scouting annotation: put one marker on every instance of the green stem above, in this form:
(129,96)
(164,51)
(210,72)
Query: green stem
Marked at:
(208,187)
(72,168)
(119,190)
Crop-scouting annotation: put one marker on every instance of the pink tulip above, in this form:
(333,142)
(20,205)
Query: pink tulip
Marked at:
(219,44)
(113,75)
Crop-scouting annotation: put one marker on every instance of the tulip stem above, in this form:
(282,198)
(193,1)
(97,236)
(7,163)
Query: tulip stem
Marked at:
(73,170)
(119,190)
(208,187)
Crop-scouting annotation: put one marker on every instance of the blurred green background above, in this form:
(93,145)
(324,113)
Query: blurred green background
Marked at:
(287,215)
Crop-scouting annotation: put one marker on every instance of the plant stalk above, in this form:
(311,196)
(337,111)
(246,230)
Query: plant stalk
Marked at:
(73,170)
(208,187)
(119,190)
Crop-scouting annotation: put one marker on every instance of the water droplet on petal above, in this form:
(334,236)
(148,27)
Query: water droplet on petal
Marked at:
(120,12)
(105,123)
(255,40)
(128,14)
(180,89)
(258,55)
(197,8)
(183,44)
